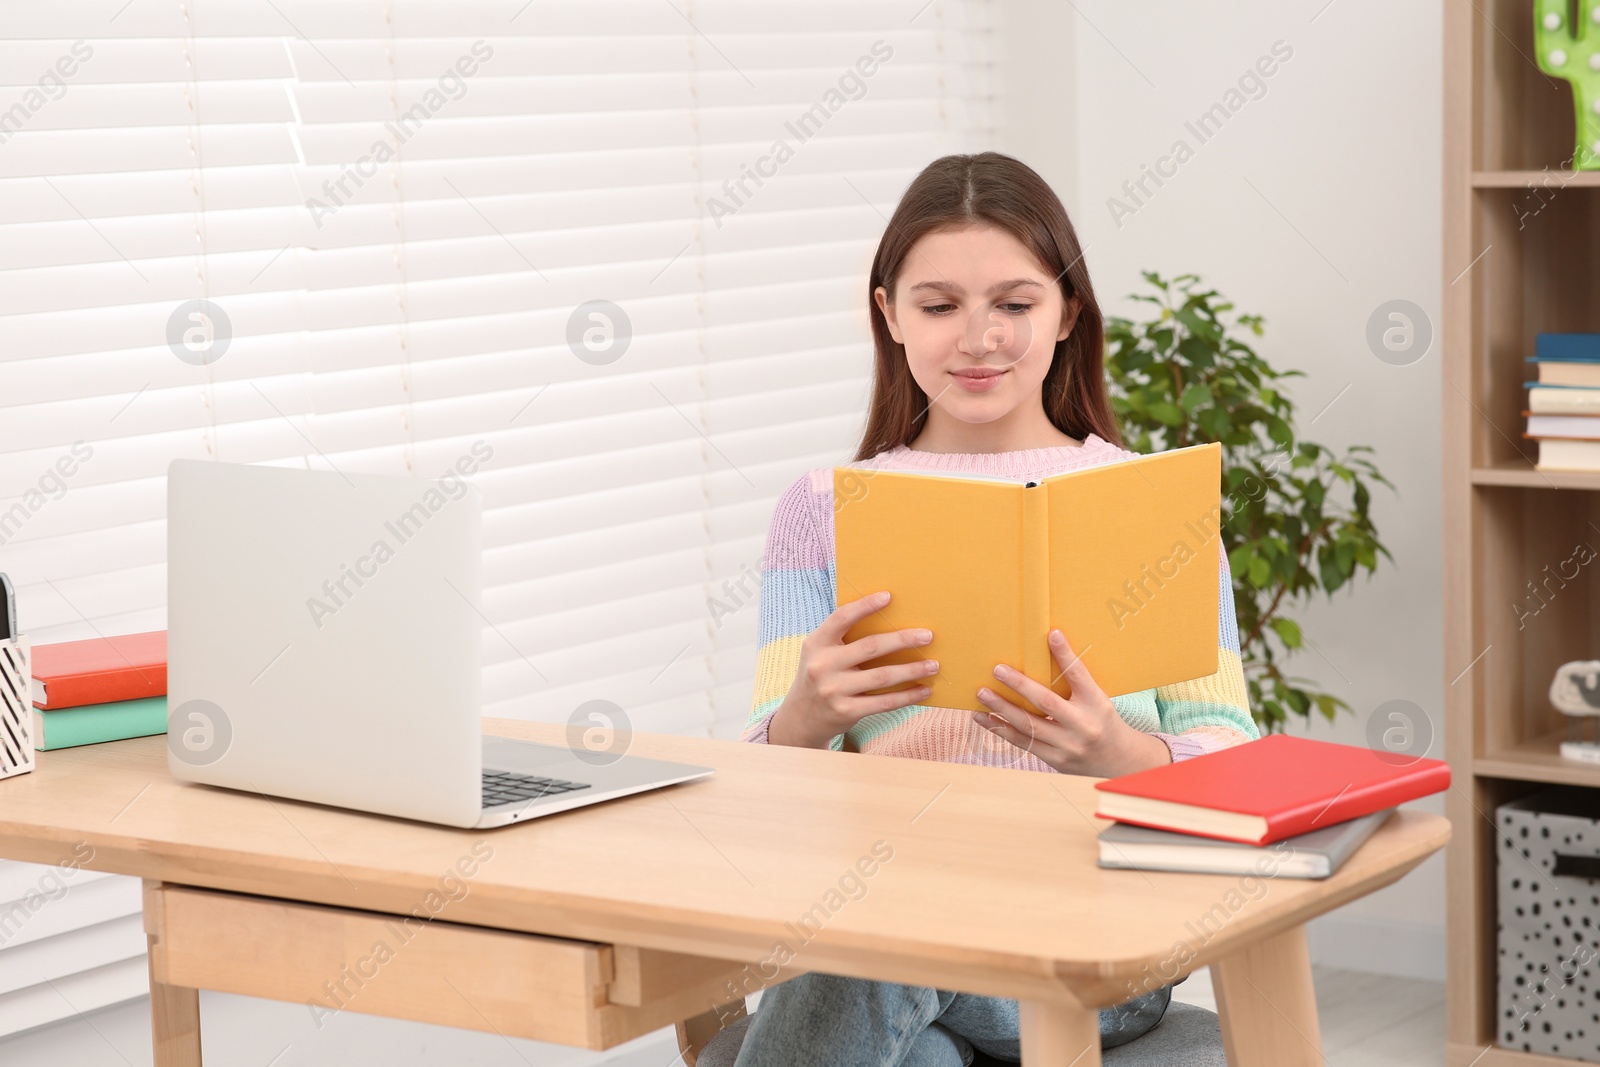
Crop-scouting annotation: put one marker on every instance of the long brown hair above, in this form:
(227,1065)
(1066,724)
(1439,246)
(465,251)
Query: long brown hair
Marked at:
(997,190)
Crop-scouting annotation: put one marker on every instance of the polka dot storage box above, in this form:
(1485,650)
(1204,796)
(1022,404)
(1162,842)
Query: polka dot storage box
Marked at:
(1548,874)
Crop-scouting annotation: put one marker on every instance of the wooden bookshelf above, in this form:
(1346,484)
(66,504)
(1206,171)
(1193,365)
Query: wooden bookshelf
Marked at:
(1549,179)
(1521,257)
(1521,473)
(1536,760)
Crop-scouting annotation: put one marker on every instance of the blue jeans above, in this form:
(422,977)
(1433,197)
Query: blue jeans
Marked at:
(824,1020)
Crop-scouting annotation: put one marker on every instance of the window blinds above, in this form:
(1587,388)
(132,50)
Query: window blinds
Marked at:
(613,250)
(396,210)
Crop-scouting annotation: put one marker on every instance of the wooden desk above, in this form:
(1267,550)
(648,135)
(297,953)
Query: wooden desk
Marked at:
(594,926)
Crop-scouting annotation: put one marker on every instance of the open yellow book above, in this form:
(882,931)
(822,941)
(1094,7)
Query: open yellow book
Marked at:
(1122,557)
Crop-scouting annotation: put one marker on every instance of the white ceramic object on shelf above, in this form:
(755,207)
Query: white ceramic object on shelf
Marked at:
(1575,692)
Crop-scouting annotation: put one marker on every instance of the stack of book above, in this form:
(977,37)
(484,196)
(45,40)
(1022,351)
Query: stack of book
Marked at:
(105,689)
(1285,807)
(1564,402)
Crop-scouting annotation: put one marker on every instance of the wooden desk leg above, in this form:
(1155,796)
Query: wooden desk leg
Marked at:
(1267,1005)
(174,1010)
(1056,1035)
(175,1024)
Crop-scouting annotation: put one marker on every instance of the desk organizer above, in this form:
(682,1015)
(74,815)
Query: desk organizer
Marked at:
(1548,874)
(16,708)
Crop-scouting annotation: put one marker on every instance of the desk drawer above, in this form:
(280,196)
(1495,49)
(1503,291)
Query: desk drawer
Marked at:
(334,959)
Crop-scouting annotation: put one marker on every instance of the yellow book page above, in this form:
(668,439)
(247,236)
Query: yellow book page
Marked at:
(949,549)
(1134,567)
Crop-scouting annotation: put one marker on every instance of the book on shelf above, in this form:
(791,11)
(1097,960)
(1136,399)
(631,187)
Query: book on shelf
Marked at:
(1582,427)
(100,670)
(1123,558)
(1266,790)
(1313,854)
(1580,372)
(1562,399)
(1583,347)
(1566,454)
(1570,359)
(90,724)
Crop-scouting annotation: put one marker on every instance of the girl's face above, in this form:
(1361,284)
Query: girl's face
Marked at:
(979,318)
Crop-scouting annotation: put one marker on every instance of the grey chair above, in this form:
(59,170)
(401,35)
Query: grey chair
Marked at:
(1186,1036)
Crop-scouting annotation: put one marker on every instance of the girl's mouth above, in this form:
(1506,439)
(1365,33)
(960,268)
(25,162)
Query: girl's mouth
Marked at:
(978,382)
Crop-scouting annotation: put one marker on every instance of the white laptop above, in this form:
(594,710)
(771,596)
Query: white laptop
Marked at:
(323,644)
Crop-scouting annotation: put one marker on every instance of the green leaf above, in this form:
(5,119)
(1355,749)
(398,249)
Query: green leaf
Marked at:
(1196,325)
(1288,631)
(1196,351)
(1215,423)
(1328,570)
(1194,396)
(1168,412)
(1279,431)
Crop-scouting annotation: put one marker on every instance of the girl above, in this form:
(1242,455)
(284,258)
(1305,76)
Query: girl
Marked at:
(989,347)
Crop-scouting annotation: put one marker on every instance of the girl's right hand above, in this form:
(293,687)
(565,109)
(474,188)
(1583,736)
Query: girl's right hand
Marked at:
(826,697)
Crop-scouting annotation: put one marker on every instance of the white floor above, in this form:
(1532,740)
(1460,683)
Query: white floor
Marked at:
(1367,1021)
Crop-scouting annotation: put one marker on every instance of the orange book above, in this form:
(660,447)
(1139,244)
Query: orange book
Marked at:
(100,670)
(1122,557)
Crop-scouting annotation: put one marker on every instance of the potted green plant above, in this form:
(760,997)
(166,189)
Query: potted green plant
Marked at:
(1296,517)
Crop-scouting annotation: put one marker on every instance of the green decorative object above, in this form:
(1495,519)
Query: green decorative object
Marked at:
(1295,519)
(1573,52)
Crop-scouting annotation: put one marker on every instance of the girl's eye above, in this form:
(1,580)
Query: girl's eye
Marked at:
(1013,308)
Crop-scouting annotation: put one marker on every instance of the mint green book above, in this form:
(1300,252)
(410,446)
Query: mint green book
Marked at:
(91,724)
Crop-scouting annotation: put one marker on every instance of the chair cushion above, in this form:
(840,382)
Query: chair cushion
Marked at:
(723,1049)
(1187,1036)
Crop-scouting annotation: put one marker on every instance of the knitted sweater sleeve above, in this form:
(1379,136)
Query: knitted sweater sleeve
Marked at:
(1209,714)
(797,594)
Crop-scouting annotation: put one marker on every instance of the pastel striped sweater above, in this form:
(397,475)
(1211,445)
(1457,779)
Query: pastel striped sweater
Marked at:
(798,577)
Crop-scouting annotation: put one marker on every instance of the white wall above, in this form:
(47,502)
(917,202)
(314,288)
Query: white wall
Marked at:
(1312,205)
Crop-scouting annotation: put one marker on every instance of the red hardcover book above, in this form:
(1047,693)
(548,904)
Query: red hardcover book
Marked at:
(100,670)
(1263,791)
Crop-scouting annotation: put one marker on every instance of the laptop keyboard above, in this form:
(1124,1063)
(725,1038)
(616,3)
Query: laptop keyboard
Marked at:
(508,787)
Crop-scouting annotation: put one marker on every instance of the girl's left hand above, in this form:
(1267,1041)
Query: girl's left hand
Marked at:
(1083,733)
